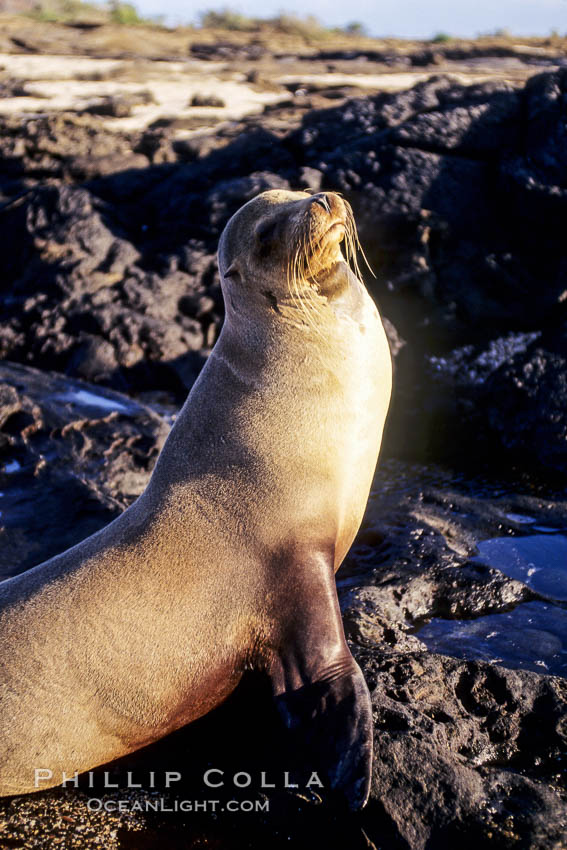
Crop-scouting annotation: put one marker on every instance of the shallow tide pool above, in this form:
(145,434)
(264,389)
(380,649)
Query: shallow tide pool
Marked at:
(533,636)
(540,560)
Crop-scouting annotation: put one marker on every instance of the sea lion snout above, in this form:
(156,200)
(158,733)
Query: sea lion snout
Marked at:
(327,219)
(325,227)
(332,204)
(322,200)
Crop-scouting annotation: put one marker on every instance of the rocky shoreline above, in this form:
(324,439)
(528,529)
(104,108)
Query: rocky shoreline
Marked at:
(459,193)
(110,303)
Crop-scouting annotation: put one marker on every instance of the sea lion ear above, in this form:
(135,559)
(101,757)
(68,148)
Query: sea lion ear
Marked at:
(231,271)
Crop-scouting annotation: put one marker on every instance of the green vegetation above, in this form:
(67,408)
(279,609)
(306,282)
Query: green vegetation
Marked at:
(227,19)
(125,13)
(73,11)
(67,11)
(308,27)
(441,38)
(501,33)
(355,28)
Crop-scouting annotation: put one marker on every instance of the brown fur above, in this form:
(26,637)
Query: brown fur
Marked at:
(149,623)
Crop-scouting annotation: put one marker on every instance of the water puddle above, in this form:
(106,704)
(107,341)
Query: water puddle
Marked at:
(534,635)
(90,399)
(540,560)
(521,519)
(531,637)
(11,467)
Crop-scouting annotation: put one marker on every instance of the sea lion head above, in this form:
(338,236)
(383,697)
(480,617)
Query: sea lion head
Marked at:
(281,247)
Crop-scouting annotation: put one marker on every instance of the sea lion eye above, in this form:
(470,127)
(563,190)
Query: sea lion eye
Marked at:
(265,231)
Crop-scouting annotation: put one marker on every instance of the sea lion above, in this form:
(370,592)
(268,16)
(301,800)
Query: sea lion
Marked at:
(226,561)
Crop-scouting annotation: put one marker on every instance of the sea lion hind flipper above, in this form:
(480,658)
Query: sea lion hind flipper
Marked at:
(331,722)
(319,688)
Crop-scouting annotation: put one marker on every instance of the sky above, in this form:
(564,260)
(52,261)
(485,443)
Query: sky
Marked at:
(404,18)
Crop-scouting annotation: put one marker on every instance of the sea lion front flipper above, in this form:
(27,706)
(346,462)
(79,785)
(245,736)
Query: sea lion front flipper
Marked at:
(332,722)
(319,688)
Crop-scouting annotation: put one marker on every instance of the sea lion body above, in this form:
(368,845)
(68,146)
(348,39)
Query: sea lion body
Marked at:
(225,562)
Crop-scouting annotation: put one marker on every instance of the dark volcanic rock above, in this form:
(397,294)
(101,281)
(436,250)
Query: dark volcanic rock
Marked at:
(228,51)
(76,299)
(525,403)
(111,107)
(440,53)
(466,751)
(118,106)
(13,88)
(51,145)
(71,457)
(206,100)
(458,191)
(455,760)
(477,122)
(507,398)
(429,174)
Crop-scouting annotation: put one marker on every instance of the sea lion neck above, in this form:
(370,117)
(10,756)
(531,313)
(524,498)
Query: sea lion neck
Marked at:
(313,320)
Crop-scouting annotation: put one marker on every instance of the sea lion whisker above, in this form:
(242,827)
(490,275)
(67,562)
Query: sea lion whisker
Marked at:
(312,306)
(357,246)
(298,276)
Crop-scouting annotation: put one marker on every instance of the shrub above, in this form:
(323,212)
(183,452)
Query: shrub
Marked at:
(124,13)
(441,38)
(226,19)
(308,27)
(67,11)
(355,28)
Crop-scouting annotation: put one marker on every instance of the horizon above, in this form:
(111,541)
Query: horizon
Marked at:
(394,18)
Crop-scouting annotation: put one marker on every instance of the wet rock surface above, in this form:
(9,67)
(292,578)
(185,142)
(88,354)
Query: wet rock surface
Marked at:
(72,457)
